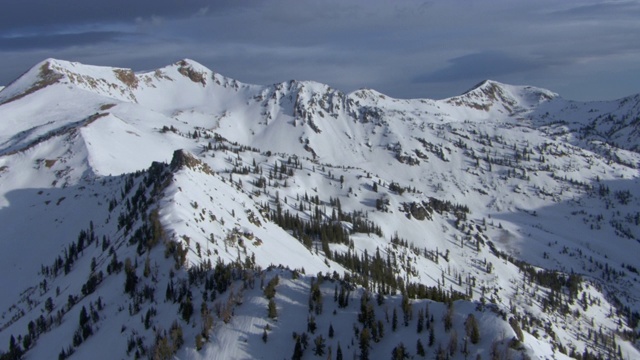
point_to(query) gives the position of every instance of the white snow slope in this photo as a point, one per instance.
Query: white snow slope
(508, 202)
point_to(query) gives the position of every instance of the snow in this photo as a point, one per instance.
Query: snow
(138, 148)
(528, 164)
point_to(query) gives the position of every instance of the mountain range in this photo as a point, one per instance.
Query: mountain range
(178, 213)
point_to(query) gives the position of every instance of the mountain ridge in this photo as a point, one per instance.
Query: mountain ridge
(126, 76)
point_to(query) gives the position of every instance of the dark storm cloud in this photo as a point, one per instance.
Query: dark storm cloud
(404, 48)
(482, 65)
(44, 13)
(600, 9)
(57, 40)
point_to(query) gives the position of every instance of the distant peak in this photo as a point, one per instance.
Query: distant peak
(367, 93)
(489, 92)
(38, 77)
(190, 62)
(484, 84)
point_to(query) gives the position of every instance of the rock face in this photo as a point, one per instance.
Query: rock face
(181, 159)
(417, 210)
(194, 75)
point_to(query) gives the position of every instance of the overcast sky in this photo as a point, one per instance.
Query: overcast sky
(584, 50)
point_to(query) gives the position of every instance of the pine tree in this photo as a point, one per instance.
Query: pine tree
(15, 351)
(453, 343)
(516, 328)
(147, 267)
(399, 352)
(407, 311)
(131, 279)
(48, 305)
(311, 324)
(186, 309)
(365, 338)
(319, 345)
(272, 309)
(84, 318)
(448, 318)
(420, 348)
(297, 350)
(432, 336)
(472, 329)
(394, 320)
(168, 294)
(199, 342)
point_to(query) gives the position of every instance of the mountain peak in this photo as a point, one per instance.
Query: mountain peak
(513, 98)
(38, 77)
(89, 77)
(491, 87)
(186, 62)
(482, 85)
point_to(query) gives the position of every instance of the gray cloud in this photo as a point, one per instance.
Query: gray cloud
(599, 10)
(483, 65)
(401, 48)
(57, 40)
(44, 13)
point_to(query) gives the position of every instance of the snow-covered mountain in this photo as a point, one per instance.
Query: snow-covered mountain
(180, 213)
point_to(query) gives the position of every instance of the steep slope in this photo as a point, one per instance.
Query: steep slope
(463, 201)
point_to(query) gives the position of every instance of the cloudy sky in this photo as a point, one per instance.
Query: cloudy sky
(584, 50)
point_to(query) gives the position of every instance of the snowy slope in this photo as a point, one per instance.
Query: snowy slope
(187, 185)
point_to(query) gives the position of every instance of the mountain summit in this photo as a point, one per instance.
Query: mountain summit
(512, 99)
(178, 213)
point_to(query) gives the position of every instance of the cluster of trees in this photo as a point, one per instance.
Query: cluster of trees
(70, 255)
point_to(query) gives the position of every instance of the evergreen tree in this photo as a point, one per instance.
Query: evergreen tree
(311, 324)
(394, 320)
(453, 343)
(84, 318)
(319, 345)
(297, 350)
(48, 305)
(448, 317)
(131, 279)
(516, 328)
(365, 339)
(186, 309)
(472, 329)
(272, 309)
(168, 294)
(399, 352)
(406, 309)
(15, 351)
(26, 342)
(420, 348)
(432, 336)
